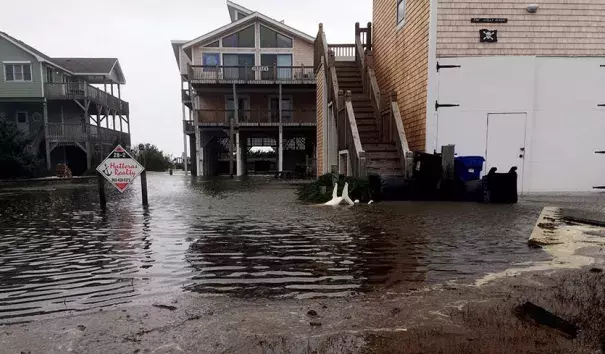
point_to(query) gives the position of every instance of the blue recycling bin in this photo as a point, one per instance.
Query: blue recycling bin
(468, 168)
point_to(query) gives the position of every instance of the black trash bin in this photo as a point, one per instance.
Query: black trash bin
(426, 175)
(500, 187)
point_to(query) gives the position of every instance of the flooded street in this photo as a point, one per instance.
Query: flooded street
(246, 239)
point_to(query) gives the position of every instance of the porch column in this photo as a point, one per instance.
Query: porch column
(45, 113)
(238, 151)
(280, 144)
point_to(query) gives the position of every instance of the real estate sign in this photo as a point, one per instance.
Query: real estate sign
(120, 169)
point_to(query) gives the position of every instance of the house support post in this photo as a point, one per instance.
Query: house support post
(231, 128)
(195, 156)
(193, 143)
(88, 139)
(184, 134)
(113, 112)
(280, 137)
(45, 113)
(238, 152)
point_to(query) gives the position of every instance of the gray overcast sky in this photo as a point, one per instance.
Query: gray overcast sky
(138, 32)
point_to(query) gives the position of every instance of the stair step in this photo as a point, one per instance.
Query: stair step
(356, 77)
(366, 128)
(343, 64)
(386, 172)
(384, 164)
(364, 115)
(382, 155)
(361, 110)
(379, 147)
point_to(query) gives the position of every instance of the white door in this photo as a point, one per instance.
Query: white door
(23, 122)
(506, 143)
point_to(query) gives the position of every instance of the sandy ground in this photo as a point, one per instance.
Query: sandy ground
(192, 324)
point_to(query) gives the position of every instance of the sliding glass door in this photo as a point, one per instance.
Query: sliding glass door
(283, 63)
(238, 66)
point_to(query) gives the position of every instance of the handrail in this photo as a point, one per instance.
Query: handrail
(271, 73)
(394, 132)
(348, 135)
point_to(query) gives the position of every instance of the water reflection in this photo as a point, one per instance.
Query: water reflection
(58, 252)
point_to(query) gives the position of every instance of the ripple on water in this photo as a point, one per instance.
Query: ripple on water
(230, 238)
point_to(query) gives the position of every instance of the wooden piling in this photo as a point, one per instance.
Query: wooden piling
(144, 188)
(101, 184)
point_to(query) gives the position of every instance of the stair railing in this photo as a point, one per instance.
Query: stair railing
(348, 138)
(365, 62)
(388, 117)
(394, 132)
(342, 108)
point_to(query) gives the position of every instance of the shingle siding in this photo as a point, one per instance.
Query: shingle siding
(10, 52)
(559, 28)
(401, 62)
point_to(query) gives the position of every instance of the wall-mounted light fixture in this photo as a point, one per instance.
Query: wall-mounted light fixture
(532, 8)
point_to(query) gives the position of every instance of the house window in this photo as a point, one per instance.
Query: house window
(210, 61)
(271, 39)
(212, 45)
(241, 39)
(400, 12)
(18, 72)
(49, 75)
(283, 63)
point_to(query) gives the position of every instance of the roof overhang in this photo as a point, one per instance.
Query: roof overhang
(235, 8)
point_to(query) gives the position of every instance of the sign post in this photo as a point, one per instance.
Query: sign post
(120, 169)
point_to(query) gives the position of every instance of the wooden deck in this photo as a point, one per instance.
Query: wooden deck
(84, 91)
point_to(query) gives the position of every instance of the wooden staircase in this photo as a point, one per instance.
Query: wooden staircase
(382, 157)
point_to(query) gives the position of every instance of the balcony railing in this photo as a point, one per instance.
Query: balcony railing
(80, 133)
(82, 90)
(252, 74)
(255, 117)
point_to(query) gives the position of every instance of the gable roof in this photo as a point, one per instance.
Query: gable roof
(31, 50)
(255, 16)
(73, 66)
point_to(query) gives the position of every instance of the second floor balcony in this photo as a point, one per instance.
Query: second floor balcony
(81, 133)
(271, 74)
(251, 118)
(84, 91)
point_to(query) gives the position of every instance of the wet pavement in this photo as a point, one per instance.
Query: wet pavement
(245, 240)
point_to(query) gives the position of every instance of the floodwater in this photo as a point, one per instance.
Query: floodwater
(249, 238)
